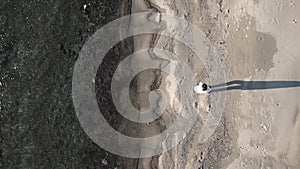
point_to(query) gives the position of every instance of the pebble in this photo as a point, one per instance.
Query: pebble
(227, 24)
(264, 127)
(209, 108)
(196, 104)
(104, 162)
(158, 18)
(294, 21)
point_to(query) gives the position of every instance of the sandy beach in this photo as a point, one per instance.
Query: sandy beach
(257, 41)
(249, 54)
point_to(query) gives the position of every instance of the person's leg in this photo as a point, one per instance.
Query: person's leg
(239, 82)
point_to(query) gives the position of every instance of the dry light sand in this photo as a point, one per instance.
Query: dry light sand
(257, 40)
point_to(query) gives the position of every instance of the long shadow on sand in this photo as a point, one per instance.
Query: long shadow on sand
(254, 85)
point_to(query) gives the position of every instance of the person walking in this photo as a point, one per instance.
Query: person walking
(202, 88)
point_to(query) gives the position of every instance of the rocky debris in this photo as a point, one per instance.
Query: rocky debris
(39, 42)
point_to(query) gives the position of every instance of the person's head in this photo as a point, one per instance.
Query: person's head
(204, 87)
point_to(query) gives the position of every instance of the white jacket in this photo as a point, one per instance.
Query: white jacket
(199, 90)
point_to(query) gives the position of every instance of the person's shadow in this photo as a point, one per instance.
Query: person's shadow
(254, 85)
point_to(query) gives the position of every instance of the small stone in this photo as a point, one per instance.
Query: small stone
(294, 21)
(158, 18)
(227, 24)
(264, 127)
(209, 108)
(196, 104)
(104, 162)
(59, 46)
